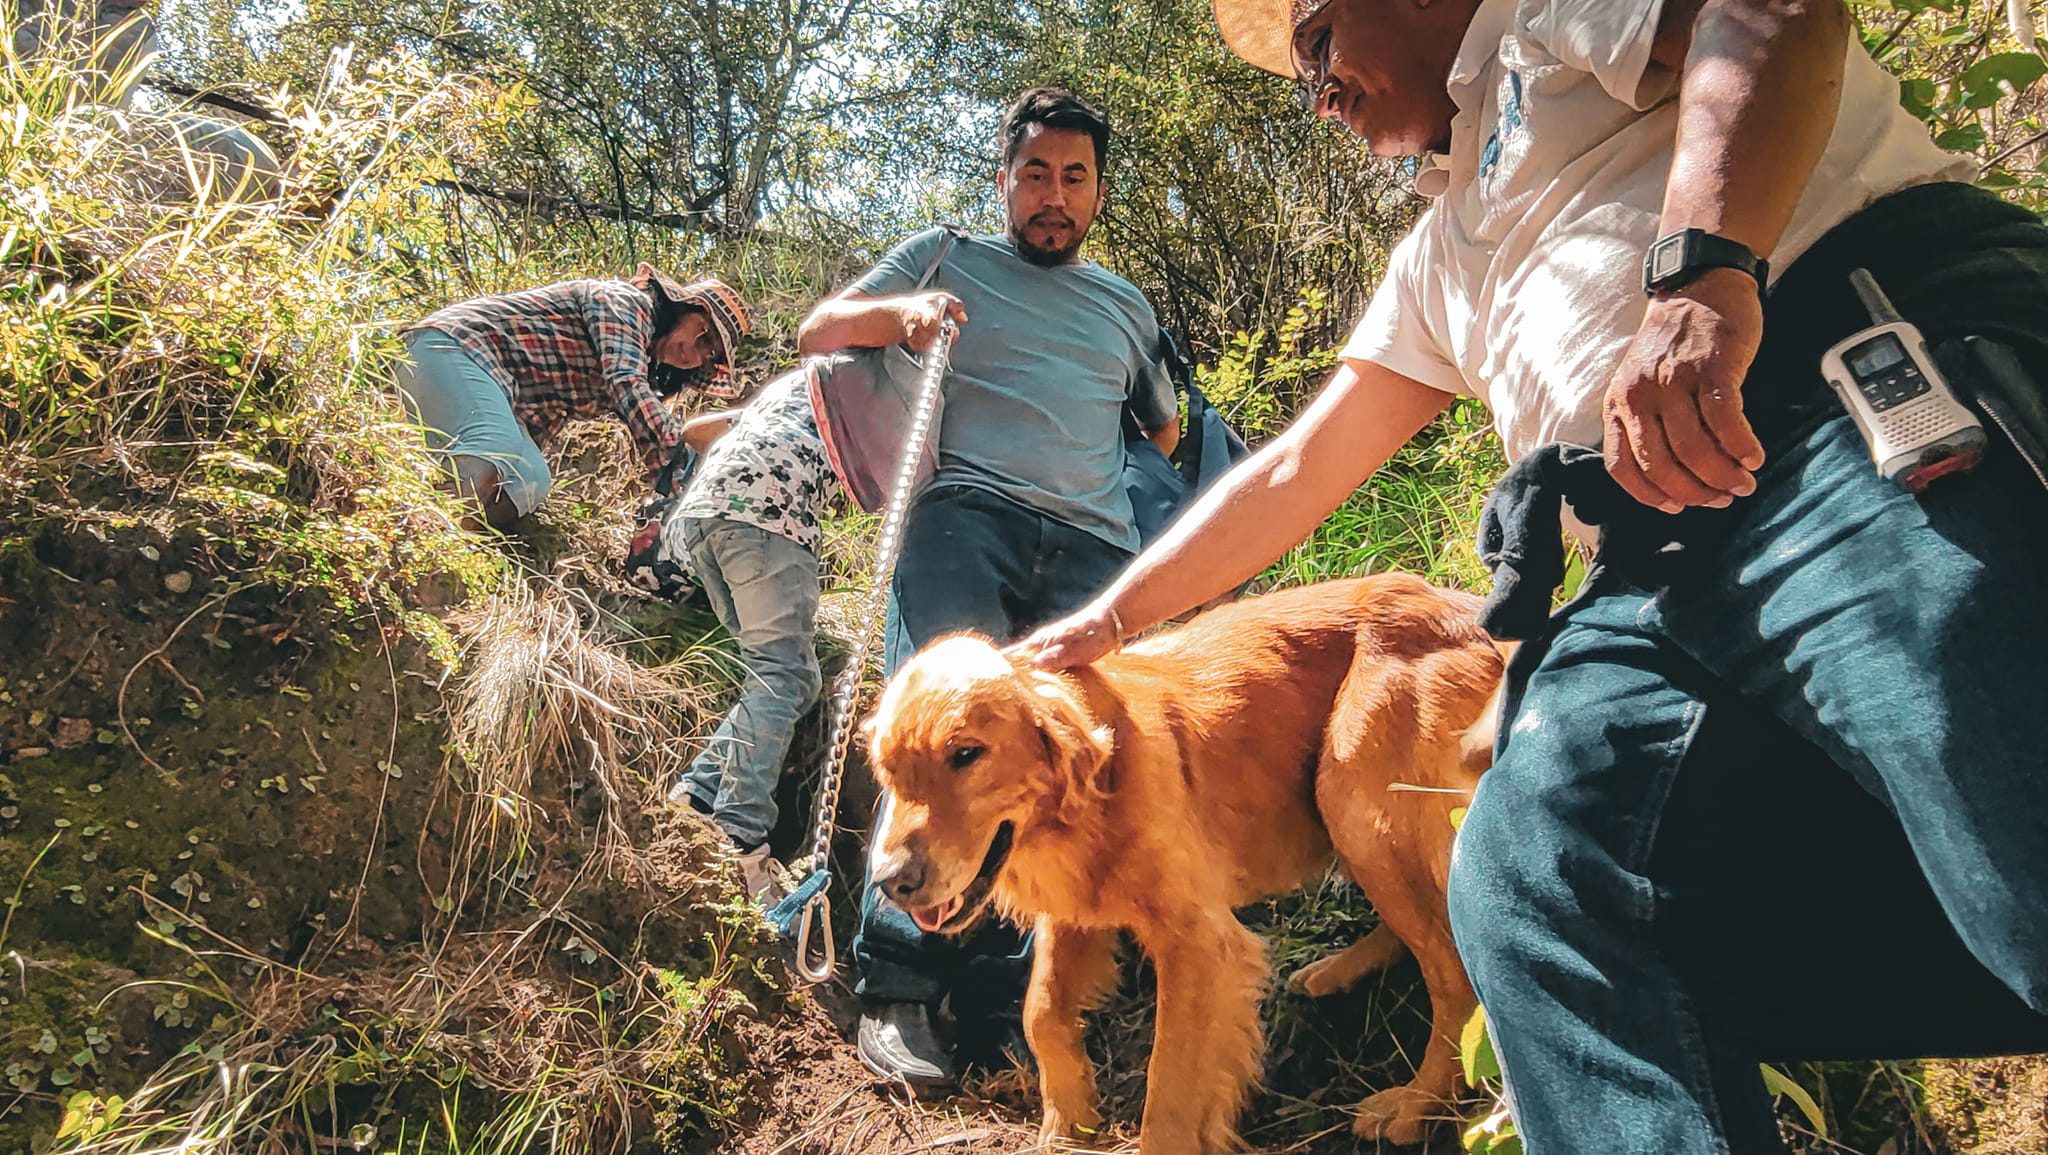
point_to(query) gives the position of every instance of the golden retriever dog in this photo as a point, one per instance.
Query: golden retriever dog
(1206, 767)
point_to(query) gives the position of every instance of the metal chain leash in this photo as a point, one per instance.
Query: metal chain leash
(846, 692)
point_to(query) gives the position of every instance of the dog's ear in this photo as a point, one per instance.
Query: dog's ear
(1078, 753)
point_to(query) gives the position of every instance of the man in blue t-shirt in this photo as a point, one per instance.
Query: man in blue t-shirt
(1027, 517)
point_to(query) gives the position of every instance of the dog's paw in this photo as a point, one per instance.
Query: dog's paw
(1348, 967)
(1325, 976)
(1076, 1125)
(1398, 1115)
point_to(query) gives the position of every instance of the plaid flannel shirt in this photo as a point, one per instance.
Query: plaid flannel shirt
(577, 349)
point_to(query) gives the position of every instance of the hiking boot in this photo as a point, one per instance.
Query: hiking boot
(897, 1042)
(767, 884)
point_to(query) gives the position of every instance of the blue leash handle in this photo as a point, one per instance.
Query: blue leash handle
(806, 912)
(784, 915)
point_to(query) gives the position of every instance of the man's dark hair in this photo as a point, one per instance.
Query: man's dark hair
(1054, 108)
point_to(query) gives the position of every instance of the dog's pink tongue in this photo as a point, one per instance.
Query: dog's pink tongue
(931, 918)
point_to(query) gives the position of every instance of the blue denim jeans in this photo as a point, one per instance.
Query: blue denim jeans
(1711, 800)
(466, 413)
(764, 588)
(972, 560)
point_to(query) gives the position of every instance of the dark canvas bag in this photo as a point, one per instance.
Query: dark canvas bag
(1162, 487)
(863, 400)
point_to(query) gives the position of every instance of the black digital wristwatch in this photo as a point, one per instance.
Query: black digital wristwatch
(1677, 259)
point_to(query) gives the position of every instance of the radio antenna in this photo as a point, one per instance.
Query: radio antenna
(1873, 298)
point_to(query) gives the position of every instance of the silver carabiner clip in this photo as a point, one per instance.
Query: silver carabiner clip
(817, 912)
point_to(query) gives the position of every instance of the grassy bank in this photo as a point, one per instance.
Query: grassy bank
(325, 822)
(327, 826)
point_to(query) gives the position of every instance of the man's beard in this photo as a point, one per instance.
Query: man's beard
(1038, 254)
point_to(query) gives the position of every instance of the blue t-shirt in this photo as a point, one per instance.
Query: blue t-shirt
(1040, 375)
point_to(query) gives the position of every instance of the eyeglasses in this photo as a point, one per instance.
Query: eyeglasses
(1311, 51)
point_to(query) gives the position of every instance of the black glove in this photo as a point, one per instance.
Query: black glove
(654, 558)
(674, 477)
(1521, 535)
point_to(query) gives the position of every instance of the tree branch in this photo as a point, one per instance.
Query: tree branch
(255, 112)
(552, 203)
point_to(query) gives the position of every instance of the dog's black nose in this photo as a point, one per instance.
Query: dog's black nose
(901, 879)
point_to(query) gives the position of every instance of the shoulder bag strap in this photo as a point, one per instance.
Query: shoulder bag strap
(1168, 353)
(952, 233)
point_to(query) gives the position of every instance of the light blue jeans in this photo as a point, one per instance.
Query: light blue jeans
(764, 588)
(467, 413)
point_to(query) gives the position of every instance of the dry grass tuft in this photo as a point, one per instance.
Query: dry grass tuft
(544, 706)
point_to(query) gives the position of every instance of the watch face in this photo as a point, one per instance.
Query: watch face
(1667, 258)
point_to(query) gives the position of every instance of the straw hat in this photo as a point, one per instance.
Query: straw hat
(719, 301)
(1262, 31)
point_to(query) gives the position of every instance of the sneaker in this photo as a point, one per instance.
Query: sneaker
(897, 1042)
(680, 792)
(767, 882)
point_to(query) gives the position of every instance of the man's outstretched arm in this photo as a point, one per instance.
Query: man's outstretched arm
(1256, 512)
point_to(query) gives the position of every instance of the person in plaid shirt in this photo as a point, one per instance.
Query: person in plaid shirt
(493, 380)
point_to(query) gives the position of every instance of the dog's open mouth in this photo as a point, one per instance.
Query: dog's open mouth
(957, 912)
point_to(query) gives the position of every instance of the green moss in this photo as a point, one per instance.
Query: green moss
(200, 790)
(168, 778)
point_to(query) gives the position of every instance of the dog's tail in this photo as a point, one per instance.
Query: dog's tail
(1475, 746)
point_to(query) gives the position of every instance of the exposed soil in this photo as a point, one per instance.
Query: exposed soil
(182, 767)
(1324, 1056)
(1989, 1106)
(234, 822)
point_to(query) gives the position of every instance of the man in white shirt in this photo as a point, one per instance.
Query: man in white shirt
(1835, 664)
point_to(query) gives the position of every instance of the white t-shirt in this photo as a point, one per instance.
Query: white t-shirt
(1521, 284)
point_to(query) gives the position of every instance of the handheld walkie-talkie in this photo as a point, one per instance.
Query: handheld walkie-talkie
(1916, 428)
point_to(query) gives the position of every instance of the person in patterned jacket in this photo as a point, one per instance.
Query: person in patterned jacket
(493, 380)
(749, 524)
